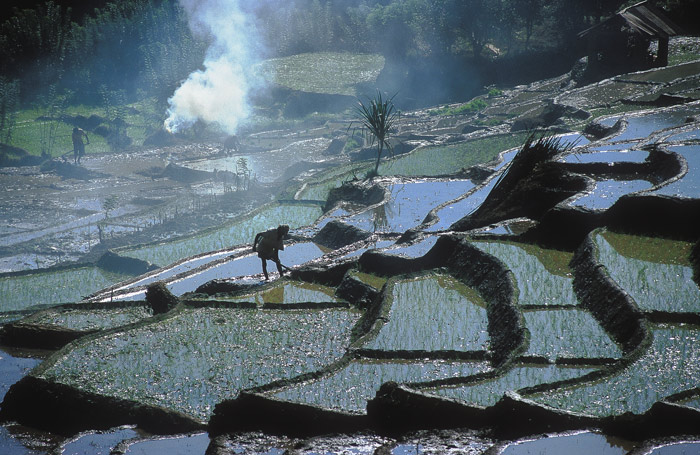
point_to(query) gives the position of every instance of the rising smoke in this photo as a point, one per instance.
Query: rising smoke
(218, 92)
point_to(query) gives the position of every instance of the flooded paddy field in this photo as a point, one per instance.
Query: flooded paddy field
(418, 339)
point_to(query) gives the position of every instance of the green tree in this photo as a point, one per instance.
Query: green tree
(378, 117)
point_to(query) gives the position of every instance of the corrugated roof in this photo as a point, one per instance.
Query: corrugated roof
(644, 18)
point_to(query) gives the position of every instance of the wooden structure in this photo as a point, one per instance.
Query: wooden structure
(622, 41)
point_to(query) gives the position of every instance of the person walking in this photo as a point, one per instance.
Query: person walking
(78, 145)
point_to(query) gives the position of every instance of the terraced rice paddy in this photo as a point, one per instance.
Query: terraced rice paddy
(689, 184)
(194, 359)
(318, 72)
(240, 232)
(542, 275)
(642, 126)
(288, 292)
(655, 272)
(670, 365)
(446, 159)
(453, 212)
(53, 287)
(488, 392)
(415, 250)
(350, 388)
(295, 254)
(408, 205)
(583, 443)
(607, 192)
(608, 156)
(433, 313)
(85, 318)
(567, 334)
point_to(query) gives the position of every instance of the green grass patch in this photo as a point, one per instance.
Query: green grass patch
(472, 107)
(650, 249)
(324, 72)
(377, 282)
(30, 128)
(450, 158)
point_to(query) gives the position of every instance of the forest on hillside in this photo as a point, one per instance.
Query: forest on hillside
(131, 49)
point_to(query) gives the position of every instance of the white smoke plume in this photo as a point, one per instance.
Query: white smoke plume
(218, 92)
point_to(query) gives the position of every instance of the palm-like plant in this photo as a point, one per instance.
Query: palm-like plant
(378, 117)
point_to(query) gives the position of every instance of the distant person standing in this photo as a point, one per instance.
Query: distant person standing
(78, 145)
(268, 244)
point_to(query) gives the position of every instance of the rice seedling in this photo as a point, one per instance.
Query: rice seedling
(92, 318)
(196, 358)
(239, 232)
(52, 287)
(658, 276)
(543, 275)
(433, 312)
(569, 333)
(349, 389)
(487, 393)
(671, 365)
